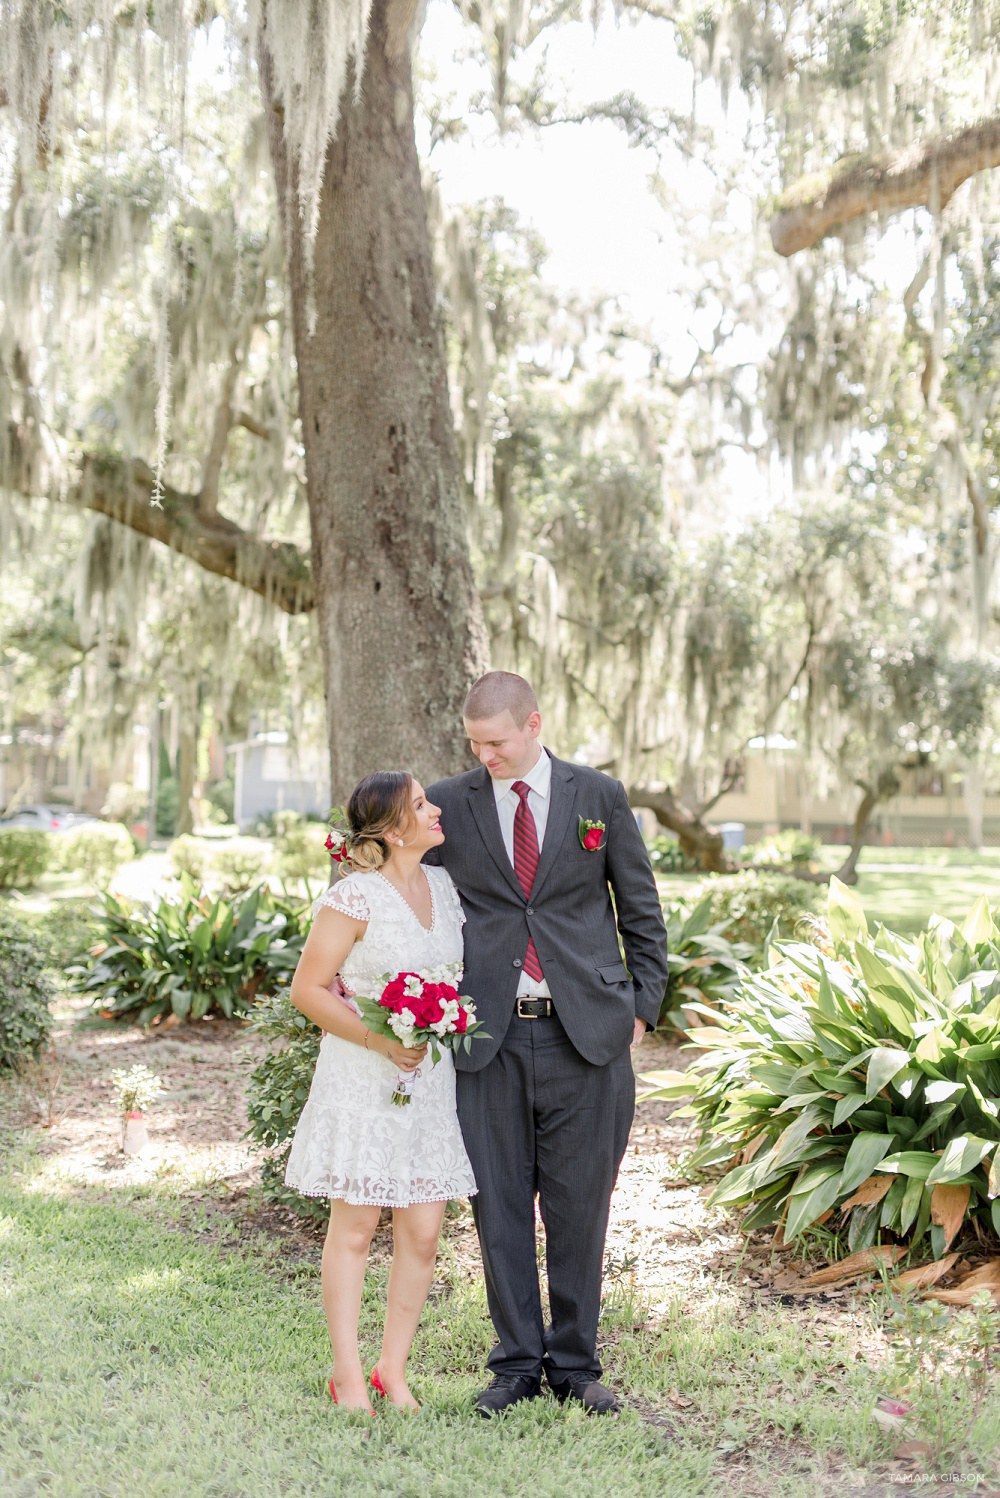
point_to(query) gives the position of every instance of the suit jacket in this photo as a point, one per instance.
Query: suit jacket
(569, 911)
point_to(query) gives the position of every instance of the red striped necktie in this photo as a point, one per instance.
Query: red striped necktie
(525, 864)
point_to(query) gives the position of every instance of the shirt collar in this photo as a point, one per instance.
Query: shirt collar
(538, 778)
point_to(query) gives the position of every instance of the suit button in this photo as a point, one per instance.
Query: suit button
(517, 962)
(529, 911)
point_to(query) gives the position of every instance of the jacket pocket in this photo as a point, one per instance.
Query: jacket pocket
(615, 972)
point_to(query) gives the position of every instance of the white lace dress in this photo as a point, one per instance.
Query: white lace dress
(351, 1142)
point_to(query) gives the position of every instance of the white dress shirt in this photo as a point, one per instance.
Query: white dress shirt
(539, 783)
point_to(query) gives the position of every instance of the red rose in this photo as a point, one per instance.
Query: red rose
(393, 995)
(461, 1020)
(592, 838)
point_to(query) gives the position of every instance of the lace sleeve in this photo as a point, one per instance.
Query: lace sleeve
(347, 897)
(448, 892)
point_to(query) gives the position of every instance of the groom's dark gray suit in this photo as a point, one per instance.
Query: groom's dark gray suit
(546, 1104)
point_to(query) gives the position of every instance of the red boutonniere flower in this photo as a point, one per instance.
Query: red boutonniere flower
(590, 834)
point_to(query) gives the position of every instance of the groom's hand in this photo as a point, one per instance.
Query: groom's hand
(638, 1031)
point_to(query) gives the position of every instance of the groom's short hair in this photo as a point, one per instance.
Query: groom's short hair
(496, 692)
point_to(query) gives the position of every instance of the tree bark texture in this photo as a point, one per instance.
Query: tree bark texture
(698, 840)
(926, 175)
(399, 619)
(122, 488)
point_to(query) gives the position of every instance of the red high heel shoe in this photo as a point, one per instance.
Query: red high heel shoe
(333, 1396)
(376, 1385)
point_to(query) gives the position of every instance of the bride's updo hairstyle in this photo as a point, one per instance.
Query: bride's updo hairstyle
(379, 804)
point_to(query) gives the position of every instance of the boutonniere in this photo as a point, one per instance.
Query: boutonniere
(590, 834)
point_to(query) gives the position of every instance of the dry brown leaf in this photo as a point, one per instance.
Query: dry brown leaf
(962, 1296)
(987, 1274)
(853, 1267)
(750, 1149)
(948, 1204)
(870, 1191)
(924, 1275)
(909, 1451)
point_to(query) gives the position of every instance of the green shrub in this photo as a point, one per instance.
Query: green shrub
(167, 805)
(666, 857)
(95, 850)
(745, 906)
(220, 796)
(237, 865)
(791, 847)
(277, 1088)
(191, 956)
(863, 1083)
(703, 966)
(299, 854)
(68, 929)
(25, 855)
(26, 986)
(189, 855)
(230, 864)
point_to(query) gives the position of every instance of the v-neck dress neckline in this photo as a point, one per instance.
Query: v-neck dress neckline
(427, 930)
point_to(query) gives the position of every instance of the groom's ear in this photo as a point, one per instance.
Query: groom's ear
(533, 724)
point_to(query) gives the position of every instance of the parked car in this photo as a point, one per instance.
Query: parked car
(46, 818)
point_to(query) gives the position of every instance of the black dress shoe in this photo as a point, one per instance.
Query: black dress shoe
(583, 1388)
(507, 1389)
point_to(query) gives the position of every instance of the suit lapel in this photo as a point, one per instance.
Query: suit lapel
(484, 809)
(562, 796)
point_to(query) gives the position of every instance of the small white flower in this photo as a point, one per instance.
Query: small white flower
(402, 1025)
(413, 987)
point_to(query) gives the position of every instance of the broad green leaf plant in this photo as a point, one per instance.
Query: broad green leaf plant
(191, 955)
(858, 1086)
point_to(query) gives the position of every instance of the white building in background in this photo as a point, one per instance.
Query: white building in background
(270, 774)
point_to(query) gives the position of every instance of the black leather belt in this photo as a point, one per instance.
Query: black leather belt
(534, 1008)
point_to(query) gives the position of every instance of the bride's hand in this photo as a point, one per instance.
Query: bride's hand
(402, 1057)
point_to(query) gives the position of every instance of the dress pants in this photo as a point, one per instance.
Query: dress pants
(539, 1119)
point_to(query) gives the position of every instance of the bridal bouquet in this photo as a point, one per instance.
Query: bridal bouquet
(417, 1008)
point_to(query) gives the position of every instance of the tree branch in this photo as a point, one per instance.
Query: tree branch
(925, 175)
(122, 488)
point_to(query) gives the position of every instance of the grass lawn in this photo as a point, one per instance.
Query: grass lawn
(902, 887)
(141, 1358)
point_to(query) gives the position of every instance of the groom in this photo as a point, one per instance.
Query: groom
(537, 848)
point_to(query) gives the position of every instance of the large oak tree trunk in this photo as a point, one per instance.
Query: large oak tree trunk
(399, 619)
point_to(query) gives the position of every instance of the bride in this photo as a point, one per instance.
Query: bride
(390, 914)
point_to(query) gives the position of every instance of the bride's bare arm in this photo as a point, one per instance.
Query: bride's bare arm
(332, 936)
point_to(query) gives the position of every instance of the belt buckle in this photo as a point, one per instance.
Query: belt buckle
(524, 1000)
